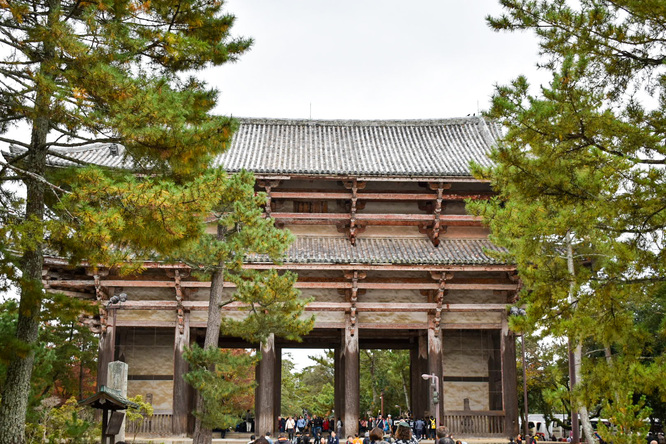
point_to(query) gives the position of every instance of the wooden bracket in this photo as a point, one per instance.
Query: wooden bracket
(438, 295)
(353, 228)
(101, 296)
(354, 292)
(436, 228)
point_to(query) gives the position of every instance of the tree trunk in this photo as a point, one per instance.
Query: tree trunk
(405, 391)
(582, 410)
(578, 351)
(19, 372)
(203, 435)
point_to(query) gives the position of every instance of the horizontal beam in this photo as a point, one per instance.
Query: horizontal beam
(323, 325)
(368, 307)
(314, 195)
(131, 283)
(376, 219)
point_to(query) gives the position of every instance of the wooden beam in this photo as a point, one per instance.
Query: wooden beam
(368, 307)
(324, 195)
(408, 285)
(376, 219)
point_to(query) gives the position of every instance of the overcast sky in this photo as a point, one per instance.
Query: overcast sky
(369, 59)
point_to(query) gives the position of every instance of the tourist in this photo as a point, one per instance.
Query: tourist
(268, 437)
(403, 434)
(333, 439)
(376, 435)
(282, 439)
(252, 439)
(300, 424)
(289, 427)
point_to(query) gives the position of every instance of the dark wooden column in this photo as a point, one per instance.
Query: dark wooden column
(418, 356)
(351, 379)
(509, 381)
(435, 366)
(265, 392)
(339, 382)
(106, 347)
(181, 389)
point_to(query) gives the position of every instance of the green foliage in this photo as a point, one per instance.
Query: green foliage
(387, 372)
(135, 416)
(67, 423)
(580, 176)
(222, 378)
(66, 351)
(112, 71)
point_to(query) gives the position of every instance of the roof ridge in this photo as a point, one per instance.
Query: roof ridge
(361, 122)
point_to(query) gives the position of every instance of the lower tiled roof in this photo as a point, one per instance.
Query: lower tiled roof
(395, 251)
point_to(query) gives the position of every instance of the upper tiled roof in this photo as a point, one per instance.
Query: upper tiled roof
(386, 148)
(422, 148)
(412, 251)
(106, 154)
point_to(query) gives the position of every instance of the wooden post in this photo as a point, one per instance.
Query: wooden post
(509, 381)
(435, 366)
(265, 393)
(181, 391)
(339, 382)
(105, 352)
(352, 379)
(418, 366)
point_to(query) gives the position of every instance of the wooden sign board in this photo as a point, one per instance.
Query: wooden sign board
(115, 422)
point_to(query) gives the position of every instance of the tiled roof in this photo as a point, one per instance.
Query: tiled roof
(423, 148)
(387, 148)
(412, 251)
(106, 154)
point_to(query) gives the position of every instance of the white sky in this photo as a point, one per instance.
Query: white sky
(369, 59)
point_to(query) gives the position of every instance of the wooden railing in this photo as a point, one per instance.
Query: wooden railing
(157, 425)
(475, 423)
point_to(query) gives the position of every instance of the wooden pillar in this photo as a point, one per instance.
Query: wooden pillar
(181, 389)
(351, 379)
(509, 380)
(106, 350)
(265, 392)
(435, 366)
(419, 365)
(339, 382)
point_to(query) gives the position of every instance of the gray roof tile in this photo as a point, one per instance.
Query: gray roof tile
(425, 148)
(385, 148)
(412, 251)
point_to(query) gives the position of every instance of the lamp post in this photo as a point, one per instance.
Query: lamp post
(435, 394)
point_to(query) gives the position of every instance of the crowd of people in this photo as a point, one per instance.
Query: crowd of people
(324, 430)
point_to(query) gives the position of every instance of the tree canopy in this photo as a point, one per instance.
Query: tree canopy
(580, 178)
(117, 72)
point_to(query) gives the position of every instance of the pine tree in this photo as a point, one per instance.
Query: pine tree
(113, 71)
(580, 176)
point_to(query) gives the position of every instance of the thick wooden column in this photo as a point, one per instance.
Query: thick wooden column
(419, 365)
(106, 350)
(509, 380)
(181, 389)
(265, 392)
(352, 379)
(435, 366)
(339, 382)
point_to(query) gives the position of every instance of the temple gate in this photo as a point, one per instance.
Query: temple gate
(383, 245)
